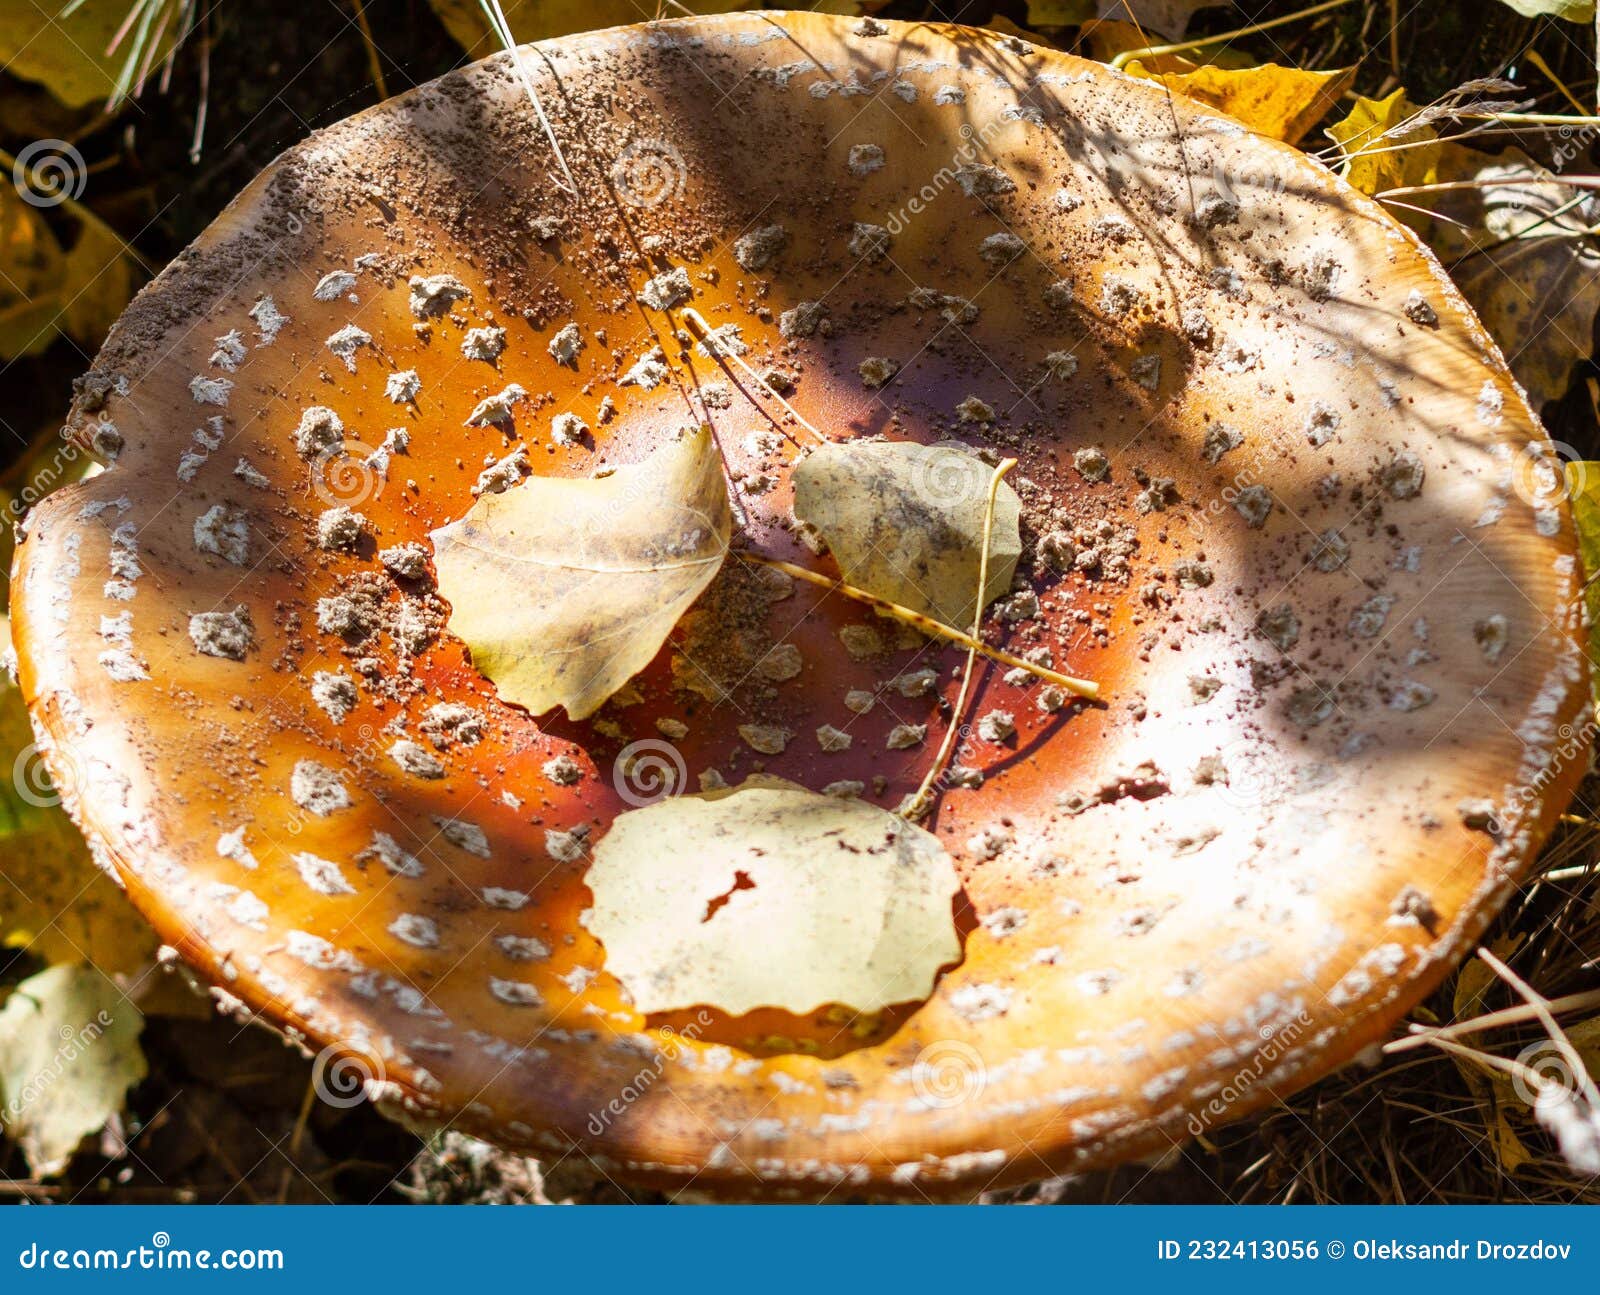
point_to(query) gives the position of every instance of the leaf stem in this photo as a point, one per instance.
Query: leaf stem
(917, 806)
(1085, 688)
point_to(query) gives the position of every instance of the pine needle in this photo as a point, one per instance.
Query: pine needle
(502, 29)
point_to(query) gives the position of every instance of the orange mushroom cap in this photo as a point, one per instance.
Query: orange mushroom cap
(1273, 500)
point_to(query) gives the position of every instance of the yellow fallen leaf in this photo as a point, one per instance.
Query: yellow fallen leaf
(31, 271)
(97, 282)
(1489, 1088)
(1279, 102)
(1583, 487)
(769, 895)
(533, 20)
(1381, 151)
(45, 292)
(69, 1052)
(66, 47)
(1517, 243)
(565, 588)
(905, 522)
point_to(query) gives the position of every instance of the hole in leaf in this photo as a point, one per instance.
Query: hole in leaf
(741, 881)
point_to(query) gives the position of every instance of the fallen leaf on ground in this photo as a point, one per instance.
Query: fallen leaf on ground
(905, 522)
(769, 895)
(1381, 152)
(69, 1052)
(64, 47)
(565, 588)
(45, 291)
(54, 901)
(1474, 979)
(1279, 102)
(1521, 253)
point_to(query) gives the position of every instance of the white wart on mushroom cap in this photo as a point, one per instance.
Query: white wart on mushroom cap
(1277, 510)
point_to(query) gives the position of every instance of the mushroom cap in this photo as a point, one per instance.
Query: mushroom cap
(1329, 596)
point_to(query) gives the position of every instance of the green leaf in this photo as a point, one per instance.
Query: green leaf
(565, 588)
(69, 1052)
(769, 895)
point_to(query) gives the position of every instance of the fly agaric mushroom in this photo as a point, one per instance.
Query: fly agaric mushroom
(1266, 499)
